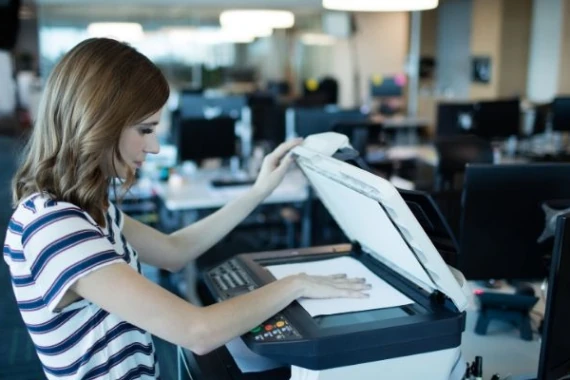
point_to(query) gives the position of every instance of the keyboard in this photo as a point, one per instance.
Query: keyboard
(227, 182)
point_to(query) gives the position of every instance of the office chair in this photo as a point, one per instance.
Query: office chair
(456, 152)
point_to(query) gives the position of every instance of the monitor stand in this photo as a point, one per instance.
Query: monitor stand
(512, 308)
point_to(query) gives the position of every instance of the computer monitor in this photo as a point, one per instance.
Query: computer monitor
(497, 119)
(454, 119)
(502, 218)
(196, 106)
(542, 113)
(561, 114)
(267, 118)
(384, 87)
(309, 121)
(200, 139)
(554, 360)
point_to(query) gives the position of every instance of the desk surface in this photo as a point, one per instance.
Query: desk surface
(197, 192)
(427, 154)
(405, 122)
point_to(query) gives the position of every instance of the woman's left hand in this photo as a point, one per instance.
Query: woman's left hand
(274, 167)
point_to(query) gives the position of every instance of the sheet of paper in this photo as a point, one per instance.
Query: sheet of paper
(247, 360)
(382, 295)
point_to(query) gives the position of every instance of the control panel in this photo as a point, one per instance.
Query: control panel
(277, 328)
(230, 279)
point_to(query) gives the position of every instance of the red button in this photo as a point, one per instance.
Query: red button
(268, 327)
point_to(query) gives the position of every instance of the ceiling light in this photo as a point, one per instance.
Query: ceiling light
(123, 31)
(207, 36)
(252, 30)
(319, 39)
(379, 5)
(261, 17)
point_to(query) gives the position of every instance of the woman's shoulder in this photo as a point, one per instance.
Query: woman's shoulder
(37, 205)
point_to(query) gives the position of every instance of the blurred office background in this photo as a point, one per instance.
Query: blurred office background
(421, 95)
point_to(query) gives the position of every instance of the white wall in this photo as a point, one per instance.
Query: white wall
(381, 43)
(544, 57)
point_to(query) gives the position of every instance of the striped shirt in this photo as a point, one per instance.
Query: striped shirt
(49, 246)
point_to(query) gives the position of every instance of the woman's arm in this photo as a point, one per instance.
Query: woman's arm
(174, 251)
(120, 290)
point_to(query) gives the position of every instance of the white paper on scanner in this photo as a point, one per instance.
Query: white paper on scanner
(382, 295)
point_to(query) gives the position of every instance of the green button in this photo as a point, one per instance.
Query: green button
(255, 330)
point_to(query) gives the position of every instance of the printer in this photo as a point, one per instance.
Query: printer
(418, 339)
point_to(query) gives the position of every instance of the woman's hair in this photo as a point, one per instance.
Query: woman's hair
(98, 89)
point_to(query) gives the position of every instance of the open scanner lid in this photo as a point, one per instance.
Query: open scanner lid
(370, 211)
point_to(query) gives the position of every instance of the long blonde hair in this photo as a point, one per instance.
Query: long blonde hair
(98, 88)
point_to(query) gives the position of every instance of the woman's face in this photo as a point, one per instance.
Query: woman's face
(135, 142)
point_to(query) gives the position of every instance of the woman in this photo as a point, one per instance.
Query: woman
(74, 257)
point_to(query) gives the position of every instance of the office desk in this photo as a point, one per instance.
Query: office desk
(197, 193)
(181, 204)
(405, 128)
(427, 154)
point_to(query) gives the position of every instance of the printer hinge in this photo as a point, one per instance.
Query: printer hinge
(357, 248)
(437, 297)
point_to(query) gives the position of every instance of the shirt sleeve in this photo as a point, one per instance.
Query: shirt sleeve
(61, 245)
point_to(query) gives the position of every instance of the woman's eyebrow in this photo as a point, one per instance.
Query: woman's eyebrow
(148, 124)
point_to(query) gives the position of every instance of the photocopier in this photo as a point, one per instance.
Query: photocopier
(417, 340)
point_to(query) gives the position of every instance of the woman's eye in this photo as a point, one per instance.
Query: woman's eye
(146, 131)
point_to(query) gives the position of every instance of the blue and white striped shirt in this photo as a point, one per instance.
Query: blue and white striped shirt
(49, 246)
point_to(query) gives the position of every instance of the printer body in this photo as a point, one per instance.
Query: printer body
(419, 339)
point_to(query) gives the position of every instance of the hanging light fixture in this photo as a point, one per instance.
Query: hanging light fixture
(379, 5)
(206, 36)
(267, 18)
(253, 30)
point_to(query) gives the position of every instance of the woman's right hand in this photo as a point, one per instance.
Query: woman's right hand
(334, 286)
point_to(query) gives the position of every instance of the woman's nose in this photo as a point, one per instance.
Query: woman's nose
(152, 144)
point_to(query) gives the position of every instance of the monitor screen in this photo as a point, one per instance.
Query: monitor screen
(542, 113)
(349, 319)
(386, 86)
(555, 349)
(561, 114)
(199, 106)
(502, 218)
(454, 119)
(497, 119)
(268, 124)
(200, 139)
(309, 121)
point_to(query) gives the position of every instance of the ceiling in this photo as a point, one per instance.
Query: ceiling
(266, 4)
(175, 11)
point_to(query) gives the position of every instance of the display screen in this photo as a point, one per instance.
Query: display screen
(336, 320)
